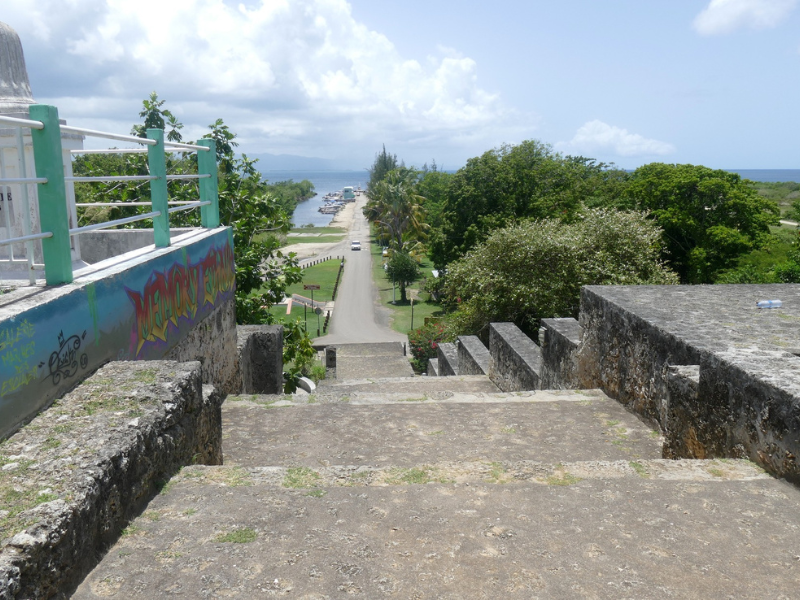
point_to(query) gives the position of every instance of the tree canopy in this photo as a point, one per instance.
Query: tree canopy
(396, 209)
(528, 180)
(710, 217)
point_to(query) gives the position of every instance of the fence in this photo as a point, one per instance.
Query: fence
(54, 209)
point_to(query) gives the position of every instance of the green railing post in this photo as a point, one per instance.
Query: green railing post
(158, 187)
(53, 214)
(207, 165)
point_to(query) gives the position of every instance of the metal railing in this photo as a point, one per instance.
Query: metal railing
(52, 188)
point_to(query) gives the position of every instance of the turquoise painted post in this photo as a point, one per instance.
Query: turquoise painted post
(207, 165)
(53, 215)
(158, 187)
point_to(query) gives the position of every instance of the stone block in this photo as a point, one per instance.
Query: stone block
(473, 356)
(447, 356)
(260, 352)
(516, 361)
(101, 452)
(559, 339)
(433, 367)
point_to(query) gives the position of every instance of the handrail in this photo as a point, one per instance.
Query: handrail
(25, 238)
(23, 180)
(109, 136)
(123, 150)
(114, 223)
(188, 206)
(187, 176)
(111, 178)
(22, 122)
(90, 204)
(56, 212)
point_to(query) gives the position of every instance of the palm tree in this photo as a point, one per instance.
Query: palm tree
(396, 208)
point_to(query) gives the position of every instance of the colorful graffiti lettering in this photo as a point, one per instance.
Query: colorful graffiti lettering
(180, 292)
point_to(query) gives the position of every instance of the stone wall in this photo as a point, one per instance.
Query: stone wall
(82, 469)
(447, 356)
(516, 360)
(559, 339)
(473, 356)
(260, 353)
(627, 356)
(718, 375)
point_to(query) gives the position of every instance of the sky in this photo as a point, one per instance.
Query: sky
(625, 81)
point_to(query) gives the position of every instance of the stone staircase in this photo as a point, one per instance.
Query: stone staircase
(412, 487)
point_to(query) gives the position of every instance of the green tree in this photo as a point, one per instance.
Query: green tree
(384, 162)
(403, 270)
(528, 180)
(710, 217)
(533, 270)
(396, 209)
(156, 117)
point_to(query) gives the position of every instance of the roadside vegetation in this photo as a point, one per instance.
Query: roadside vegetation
(516, 232)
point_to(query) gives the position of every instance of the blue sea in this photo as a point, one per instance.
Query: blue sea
(324, 182)
(769, 175)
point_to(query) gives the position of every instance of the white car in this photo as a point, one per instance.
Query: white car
(355, 245)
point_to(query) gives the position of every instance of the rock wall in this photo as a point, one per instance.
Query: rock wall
(213, 343)
(473, 356)
(559, 339)
(626, 356)
(80, 470)
(447, 356)
(516, 360)
(260, 353)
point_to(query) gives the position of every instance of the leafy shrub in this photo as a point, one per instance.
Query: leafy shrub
(535, 270)
(424, 342)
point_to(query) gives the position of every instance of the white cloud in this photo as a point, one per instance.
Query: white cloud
(296, 76)
(596, 137)
(726, 16)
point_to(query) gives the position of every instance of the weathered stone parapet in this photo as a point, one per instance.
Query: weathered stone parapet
(559, 339)
(447, 355)
(682, 423)
(213, 343)
(80, 470)
(260, 352)
(473, 356)
(516, 361)
(627, 356)
(433, 367)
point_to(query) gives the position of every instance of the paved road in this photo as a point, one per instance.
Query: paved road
(355, 319)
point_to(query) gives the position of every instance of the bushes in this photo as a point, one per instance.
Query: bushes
(424, 342)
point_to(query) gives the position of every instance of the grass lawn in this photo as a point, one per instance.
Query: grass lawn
(401, 313)
(318, 230)
(323, 239)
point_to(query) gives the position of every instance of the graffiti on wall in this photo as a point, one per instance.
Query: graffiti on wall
(178, 293)
(64, 362)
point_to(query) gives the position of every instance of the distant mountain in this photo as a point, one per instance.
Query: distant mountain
(290, 162)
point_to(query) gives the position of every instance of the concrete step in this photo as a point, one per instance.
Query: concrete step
(653, 529)
(413, 386)
(354, 361)
(548, 427)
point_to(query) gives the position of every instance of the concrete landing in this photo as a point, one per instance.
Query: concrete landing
(567, 426)
(220, 533)
(356, 361)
